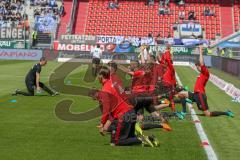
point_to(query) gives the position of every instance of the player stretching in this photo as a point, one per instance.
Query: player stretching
(114, 108)
(32, 81)
(199, 95)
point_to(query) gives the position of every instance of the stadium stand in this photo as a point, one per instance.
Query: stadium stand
(134, 18)
(81, 17)
(12, 14)
(62, 28)
(237, 15)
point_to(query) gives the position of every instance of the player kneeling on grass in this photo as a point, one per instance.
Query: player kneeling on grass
(114, 108)
(199, 95)
(32, 81)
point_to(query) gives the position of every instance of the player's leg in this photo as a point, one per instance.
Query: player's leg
(45, 88)
(185, 96)
(30, 87)
(203, 105)
(94, 67)
(124, 134)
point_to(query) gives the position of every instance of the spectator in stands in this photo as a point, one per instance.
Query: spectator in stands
(167, 11)
(208, 12)
(150, 2)
(167, 3)
(159, 40)
(191, 15)
(34, 37)
(161, 3)
(36, 12)
(169, 35)
(32, 2)
(181, 3)
(52, 3)
(181, 15)
(62, 10)
(11, 13)
(161, 10)
(113, 5)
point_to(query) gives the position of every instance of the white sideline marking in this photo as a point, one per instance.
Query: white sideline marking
(211, 155)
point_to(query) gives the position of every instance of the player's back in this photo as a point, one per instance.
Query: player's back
(32, 72)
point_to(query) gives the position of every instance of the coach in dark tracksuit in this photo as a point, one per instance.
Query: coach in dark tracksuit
(32, 80)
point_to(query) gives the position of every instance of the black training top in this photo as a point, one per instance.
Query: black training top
(32, 73)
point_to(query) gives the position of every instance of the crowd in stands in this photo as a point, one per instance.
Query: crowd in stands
(12, 13)
(47, 7)
(164, 8)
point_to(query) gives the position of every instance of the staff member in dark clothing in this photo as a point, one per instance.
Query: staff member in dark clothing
(32, 81)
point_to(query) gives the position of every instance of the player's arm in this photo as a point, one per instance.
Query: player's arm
(126, 70)
(204, 69)
(142, 57)
(38, 80)
(100, 53)
(106, 111)
(201, 61)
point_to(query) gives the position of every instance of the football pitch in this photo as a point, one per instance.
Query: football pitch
(30, 129)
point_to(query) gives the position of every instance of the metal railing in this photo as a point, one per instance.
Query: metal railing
(72, 17)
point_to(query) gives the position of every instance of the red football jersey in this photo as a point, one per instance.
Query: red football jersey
(113, 104)
(202, 80)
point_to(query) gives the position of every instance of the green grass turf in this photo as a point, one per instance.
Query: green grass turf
(226, 76)
(30, 130)
(223, 132)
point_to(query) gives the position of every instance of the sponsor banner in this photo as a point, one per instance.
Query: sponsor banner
(185, 58)
(45, 23)
(124, 47)
(14, 44)
(194, 42)
(77, 39)
(75, 47)
(175, 49)
(13, 33)
(110, 39)
(105, 55)
(121, 39)
(20, 54)
(189, 29)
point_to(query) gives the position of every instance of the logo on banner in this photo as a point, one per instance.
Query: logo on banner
(12, 33)
(78, 39)
(45, 23)
(126, 46)
(23, 54)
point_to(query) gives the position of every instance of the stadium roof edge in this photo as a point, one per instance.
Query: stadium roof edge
(226, 39)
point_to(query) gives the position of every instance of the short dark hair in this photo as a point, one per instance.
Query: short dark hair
(113, 65)
(43, 59)
(197, 63)
(98, 45)
(104, 72)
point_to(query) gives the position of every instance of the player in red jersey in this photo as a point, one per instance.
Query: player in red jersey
(169, 79)
(115, 108)
(143, 91)
(199, 94)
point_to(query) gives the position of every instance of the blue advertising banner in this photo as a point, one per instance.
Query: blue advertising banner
(20, 54)
(45, 23)
(124, 47)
